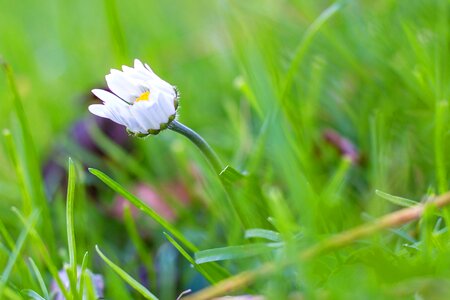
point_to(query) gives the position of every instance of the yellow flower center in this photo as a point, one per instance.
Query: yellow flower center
(143, 97)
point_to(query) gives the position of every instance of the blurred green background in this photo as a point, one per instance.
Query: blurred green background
(265, 82)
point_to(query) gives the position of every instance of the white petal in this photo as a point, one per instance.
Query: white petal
(166, 104)
(119, 114)
(150, 75)
(124, 83)
(142, 111)
(99, 110)
(125, 117)
(108, 97)
(127, 69)
(136, 124)
(152, 81)
(161, 116)
(161, 85)
(138, 64)
(105, 111)
(138, 75)
(122, 86)
(153, 115)
(168, 89)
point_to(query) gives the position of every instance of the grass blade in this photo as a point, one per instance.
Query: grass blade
(230, 175)
(39, 278)
(233, 252)
(125, 276)
(305, 42)
(33, 295)
(11, 149)
(263, 234)
(440, 152)
(212, 273)
(395, 199)
(11, 294)
(17, 250)
(72, 271)
(6, 236)
(30, 162)
(83, 270)
(39, 244)
(143, 207)
(115, 30)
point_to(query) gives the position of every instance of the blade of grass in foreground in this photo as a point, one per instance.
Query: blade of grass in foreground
(6, 236)
(17, 250)
(11, 149)
(144, 207)
(125, 276)
(395, 199)
(212, 272)
(29, 160)
(72, 271)
(39, 278)
(38, 243)
(440, 149)
(83, 270)
(11, 294)
(310, 33)
(440, 133)
(33, 295)
(263, 234)
(90, 290)
(9, 246)
(234, 252)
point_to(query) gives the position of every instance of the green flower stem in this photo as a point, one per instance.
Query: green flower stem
(212, 158)
(206, 149)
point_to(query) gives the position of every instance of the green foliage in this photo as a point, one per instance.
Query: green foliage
(326, 114)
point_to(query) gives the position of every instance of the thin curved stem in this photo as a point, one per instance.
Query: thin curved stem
(206, 149)
(213, 159)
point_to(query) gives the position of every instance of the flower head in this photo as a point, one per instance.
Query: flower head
(140, 100)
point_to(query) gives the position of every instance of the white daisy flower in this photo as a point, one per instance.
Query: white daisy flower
(140, 100)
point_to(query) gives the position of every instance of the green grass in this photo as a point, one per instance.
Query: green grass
(263, 82)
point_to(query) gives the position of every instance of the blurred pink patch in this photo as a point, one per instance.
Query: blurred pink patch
(342, 144)
(151, 197)
(178, 191)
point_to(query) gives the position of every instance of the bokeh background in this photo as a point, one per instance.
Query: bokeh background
(321, 102)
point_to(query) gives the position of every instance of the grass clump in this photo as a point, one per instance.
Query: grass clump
(330, 118)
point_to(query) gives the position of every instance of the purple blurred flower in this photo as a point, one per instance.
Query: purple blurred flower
(97, 282)
(54, 171)
(55, 175)
(80, 133)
